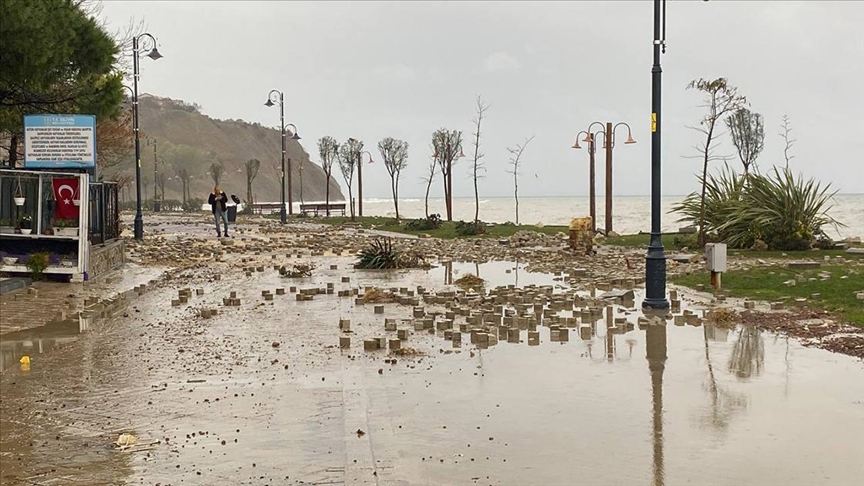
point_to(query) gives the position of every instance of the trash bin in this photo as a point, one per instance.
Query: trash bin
(232, 214)
(157, 206)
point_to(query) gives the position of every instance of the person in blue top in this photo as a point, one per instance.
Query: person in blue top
(217, 201)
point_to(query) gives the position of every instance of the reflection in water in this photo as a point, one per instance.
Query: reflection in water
(448, 272)
(723, 402)
(30, 342)
(655, 350)
(748, 354)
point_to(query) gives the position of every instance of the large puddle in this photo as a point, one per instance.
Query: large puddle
(617, 402)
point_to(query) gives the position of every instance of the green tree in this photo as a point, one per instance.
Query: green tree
(349, 156)
(328, 150)
(448, 147)
(55, 58)
(395, 155)
(721, 99)
(748, 136)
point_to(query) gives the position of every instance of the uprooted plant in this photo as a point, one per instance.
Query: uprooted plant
(381, 254)
(297, 270)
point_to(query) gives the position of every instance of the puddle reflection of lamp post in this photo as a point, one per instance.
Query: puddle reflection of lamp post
(294, 136)
(655, 353)
(155, 55)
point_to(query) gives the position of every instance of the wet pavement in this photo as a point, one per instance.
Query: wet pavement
(262, 394)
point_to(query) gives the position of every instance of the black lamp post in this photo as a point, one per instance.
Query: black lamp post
(295, 136)
(655, 259)
(153, 54)
(360, 179)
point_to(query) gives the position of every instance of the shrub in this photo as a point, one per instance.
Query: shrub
(431, 222)
(785, 212)
(380, 255)
(470, 228)
(37, 263)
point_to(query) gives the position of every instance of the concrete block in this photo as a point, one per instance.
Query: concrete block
(175, 302)
(344, 342)
(802, 265)
(268, 296)
(280, 291)
(678, 320)
(370, 344)
(334, 267)
(418, 325)
(345, 325)
(359, 301)
(777, 306)
(346, 279)
(563, 335)
(419, 312)
(513, 335)
(750, 305)
(379, 309)
(389, 324)
(456, 336)
(585, 332)
(533, 338)
(382, 342)
(199, 291)
(402, 334)
(292, 289)
(395, 344)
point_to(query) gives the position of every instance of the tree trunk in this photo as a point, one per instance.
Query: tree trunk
(327, 193)
(516, 194)
(13, 151)
(393, 187)
(428, 186)
(351, 201)
(476, 198)
(701, 238)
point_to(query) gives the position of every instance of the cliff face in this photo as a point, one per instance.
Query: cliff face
(205, 140)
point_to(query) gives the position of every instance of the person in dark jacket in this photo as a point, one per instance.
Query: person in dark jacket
(217, 202)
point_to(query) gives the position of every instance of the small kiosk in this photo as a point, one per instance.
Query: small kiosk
(47, 209)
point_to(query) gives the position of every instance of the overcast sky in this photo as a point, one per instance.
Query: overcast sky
(378, 69)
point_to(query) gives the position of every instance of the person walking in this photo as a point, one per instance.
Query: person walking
(217, 201)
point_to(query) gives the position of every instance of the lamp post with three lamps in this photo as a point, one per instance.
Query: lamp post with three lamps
(153, 54)
(608, 145)
(294, 136)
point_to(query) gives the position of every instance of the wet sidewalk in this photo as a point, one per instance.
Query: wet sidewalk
(262, 394)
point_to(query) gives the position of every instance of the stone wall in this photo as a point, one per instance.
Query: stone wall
(106, 257)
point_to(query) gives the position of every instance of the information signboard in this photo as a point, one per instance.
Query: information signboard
(59, 141)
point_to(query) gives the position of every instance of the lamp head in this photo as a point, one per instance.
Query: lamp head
(461, 153)
(295, 136)
(576, 145)
(154, 54)
(588, 138)
(630, 139)
(269, 103)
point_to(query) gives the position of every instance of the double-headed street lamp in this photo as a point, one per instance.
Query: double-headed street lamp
(608, 145)
(153, 54)
(294, 136)
(360, 179)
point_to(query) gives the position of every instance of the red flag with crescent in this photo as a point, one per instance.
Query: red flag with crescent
(65, 192)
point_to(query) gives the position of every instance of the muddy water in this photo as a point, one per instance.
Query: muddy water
(664, 405)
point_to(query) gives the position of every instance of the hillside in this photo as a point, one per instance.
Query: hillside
(179, 128)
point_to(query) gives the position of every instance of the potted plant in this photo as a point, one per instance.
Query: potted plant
(66, 227)
(69, 260)
(37, 263)
(6, 226)
(19, 194)
(26, 224)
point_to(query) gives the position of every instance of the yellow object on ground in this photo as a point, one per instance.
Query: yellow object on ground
(25, 360)
(580, 234)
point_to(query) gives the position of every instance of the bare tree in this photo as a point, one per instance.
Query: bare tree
(185, 177)
(721, 98)
(448, 148)
(328, 150)
(478, 166)
(748, 136)
(516, 159)
(395, 155)
(349, 155)
(160, 183)
(428, 180)
(252, 168)
(786, 132)
(216, 171)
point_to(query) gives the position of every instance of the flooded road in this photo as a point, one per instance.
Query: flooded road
(262, 394)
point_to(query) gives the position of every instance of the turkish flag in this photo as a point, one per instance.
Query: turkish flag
(65, 191)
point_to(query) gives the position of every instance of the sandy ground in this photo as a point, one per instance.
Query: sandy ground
(262, 393)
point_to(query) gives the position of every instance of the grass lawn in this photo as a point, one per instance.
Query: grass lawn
(836, 294)
(447, 230)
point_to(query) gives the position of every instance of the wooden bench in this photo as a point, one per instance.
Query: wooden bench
(266, 208)
(322, 208)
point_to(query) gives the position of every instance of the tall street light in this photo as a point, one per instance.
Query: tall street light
(360, 179)
(295, 136)
(592, 176)
(153, 54)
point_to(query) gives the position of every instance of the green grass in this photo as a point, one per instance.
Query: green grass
(836, 295)
(446, 231)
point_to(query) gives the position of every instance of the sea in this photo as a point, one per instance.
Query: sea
(630, 214)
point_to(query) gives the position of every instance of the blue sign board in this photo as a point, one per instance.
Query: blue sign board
(59, 141)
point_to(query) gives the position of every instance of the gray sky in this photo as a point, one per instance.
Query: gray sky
(378, 69)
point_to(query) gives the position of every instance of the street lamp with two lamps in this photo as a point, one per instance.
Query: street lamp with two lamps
(155, 55)
(294, 136)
